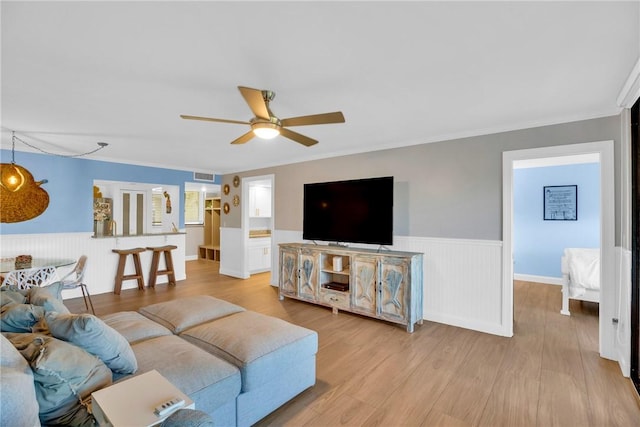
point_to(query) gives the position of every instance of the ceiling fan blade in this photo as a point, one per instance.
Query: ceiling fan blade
(315, 119)
(244, 138)
(211, 119)
(256, 101)
(304, 140)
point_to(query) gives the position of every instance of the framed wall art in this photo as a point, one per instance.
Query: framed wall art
(561, 203)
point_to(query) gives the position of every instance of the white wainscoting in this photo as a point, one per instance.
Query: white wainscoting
(462, 279)
(232, 253)
(102, 264)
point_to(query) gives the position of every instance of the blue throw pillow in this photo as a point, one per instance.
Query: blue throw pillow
(12, 296)
(20, 317)
(45, 298)
(96, 337)
(63, 375)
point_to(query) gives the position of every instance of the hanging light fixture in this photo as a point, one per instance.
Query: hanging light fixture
(12, 178)
(265, 130)
(21, 197)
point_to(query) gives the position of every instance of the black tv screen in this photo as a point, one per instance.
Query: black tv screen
(354, 211)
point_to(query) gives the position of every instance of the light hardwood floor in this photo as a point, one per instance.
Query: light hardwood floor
(372, 373)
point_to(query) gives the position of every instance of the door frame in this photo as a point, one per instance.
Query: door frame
(605, 150)
(245, 221)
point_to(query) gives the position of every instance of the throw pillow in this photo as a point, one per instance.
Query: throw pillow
(64, 375)
(96, 337)
(55, 289)
(11, 296)
(44, 298)
(20, 317)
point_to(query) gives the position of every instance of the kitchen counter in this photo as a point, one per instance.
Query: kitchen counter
(117, 236)
(253, 234)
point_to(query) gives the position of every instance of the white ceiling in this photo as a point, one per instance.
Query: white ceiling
(402, 73)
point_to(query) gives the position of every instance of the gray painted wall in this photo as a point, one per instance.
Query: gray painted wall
(450, 189)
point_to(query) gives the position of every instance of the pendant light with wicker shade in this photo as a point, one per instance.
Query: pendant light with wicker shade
(21, 197)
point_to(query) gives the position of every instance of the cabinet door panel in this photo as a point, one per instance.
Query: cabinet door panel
(364, 277)
(288, 272)
(393, 290)
(308, 286)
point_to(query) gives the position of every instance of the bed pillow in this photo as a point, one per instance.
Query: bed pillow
(63, 374)
(96, 337)
(20, 317)
(46, 297)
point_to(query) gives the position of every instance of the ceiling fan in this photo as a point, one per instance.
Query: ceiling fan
(266, 125)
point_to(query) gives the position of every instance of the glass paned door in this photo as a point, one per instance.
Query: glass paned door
(133, 212)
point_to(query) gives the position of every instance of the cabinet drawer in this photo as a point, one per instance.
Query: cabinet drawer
(335, 299)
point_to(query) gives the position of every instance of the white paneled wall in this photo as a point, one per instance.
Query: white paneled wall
(462, 279)
(233, 253)
(101, 263)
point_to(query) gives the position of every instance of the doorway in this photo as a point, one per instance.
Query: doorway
(604, 150)
(635, 245)
(258, 221)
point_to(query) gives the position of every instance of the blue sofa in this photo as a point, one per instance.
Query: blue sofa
(236, 365)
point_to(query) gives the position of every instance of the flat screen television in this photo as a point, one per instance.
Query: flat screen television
(354, 211)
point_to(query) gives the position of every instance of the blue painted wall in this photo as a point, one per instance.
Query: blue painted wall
(539, 244)
(70, 189)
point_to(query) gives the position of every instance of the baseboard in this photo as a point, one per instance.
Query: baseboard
(538, 279)
(233, 273)
(473, 324)
(191, 257)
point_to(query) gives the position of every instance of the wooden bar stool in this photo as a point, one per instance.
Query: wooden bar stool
(120, 276)
(168, 261)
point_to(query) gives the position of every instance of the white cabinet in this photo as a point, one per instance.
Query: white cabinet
(386, 285)
(260, 201)
(259, 251)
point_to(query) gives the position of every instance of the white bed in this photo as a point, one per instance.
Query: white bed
(580, 276)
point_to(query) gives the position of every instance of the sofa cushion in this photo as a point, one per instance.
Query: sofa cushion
(46, 297)
(134, 326)
(209, 381)
(96, 337)
(63, 375)
(261, 346)
(183, 313)
(20, 317)
(18, 403)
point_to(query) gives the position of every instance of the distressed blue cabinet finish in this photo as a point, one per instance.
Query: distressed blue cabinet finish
(386, 285)
(288, 272)
(299, 273)
(308, 275)
(393, 299)
(364, 292)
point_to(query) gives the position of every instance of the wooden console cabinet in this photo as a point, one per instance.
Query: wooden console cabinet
(386, 285)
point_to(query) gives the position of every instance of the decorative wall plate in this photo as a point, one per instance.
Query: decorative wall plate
(236, 181)
(226, 189)
(236, 200)
(226, 208)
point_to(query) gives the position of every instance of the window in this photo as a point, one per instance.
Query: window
(157, 200)
(193, 207)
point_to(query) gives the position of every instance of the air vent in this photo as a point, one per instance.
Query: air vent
(201, 176)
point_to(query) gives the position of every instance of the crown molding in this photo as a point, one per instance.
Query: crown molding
(631, 90)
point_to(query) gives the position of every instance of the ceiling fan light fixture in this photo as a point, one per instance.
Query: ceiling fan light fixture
(265, 130)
